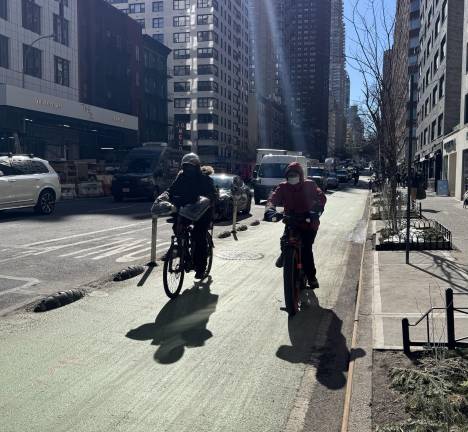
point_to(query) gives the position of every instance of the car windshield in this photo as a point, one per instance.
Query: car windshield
(272, 170)
(140, 163)
(222, 182)
(316, 172)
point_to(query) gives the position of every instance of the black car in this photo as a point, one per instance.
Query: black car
(319, 175)
(226, 183)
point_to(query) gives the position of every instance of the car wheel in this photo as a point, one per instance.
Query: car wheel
(46, 202)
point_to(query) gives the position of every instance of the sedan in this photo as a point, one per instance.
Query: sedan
(332, 181)
(229, 185)
(342, 176)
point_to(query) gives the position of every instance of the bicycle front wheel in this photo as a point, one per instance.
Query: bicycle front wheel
(173, 272)
(290, 280)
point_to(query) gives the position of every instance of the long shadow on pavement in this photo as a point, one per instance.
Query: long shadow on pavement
(331, 358)
(180, 324)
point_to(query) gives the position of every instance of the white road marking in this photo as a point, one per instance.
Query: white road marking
(377, 319)
(94, 248)
(119, 249)
(30, 282)
(136, 254)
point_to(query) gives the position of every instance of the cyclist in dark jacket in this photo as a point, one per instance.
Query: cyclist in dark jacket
(299, 196)
(189, 185)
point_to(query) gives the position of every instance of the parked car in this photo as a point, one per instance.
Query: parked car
(146, 172)
(27, 181)
(319, 175)
(332, 180)
(225, 183)
(342, 175)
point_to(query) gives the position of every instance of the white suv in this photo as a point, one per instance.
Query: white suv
(28, 182)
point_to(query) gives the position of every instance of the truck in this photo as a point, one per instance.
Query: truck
(271, 173)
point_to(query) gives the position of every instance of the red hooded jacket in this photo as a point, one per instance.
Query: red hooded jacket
(304, 197)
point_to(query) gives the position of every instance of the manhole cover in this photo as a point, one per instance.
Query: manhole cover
(239, 255)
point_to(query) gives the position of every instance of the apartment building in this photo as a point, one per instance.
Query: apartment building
(209, 73)
(440, 67)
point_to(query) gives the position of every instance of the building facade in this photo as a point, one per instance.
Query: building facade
(121, 69)
(355, 133)
(440, 66)
(266, 110)
(209, 69)
(404, 65)
(455, 152)
(337, 92)
(40, 111)
(306, 44)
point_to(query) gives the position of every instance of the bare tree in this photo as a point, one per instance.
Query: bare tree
(385, 91)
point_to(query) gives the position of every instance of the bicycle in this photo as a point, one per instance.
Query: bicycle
(179, 258)
(294, 278)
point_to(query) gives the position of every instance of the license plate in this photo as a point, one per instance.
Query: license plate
(126, 190)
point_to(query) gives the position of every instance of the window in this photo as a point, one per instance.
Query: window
(440, 125)
(26, 167)
(208, 69)
(208, 118)
(433, 130)
(60, 30)
(204, 3)
(180, 4)
(442, 49)
(136, 8)
(204, 36)
(209, 134)
(466, 108)
(437, 27)
(158, 22)
(62, 71)
(181, 37)
(31, 16)
(444, 10)
(181, 70)
(32, 61)
(158, 6)
(4, 52)
(159, 37)
(182, 86)
(434, 95)
(207, 86)
(180, 54)
(207, 53)
(4, 9)
(204, 19)
(182, 103)
(436, 61)
(207, 102)
(181, 21)
(441, 87)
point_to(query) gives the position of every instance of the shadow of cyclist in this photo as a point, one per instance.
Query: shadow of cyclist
(181, 323)
(316, 338)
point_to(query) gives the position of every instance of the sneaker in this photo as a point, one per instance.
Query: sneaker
(200, 275)
(313, 283)
(279, 261)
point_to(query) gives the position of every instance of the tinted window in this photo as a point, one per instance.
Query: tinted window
(29, 167)
(272, 170)
(223, 182)
(316, 172)
(7, 169)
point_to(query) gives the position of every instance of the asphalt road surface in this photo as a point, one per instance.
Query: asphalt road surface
(83, 241)
(221, 357)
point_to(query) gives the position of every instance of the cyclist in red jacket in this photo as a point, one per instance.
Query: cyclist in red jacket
(301, 197)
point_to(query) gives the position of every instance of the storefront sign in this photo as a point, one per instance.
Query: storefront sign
(27, 99)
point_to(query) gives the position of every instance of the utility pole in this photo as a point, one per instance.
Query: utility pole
(408, 180)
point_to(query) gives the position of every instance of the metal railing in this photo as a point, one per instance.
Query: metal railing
(450, 310)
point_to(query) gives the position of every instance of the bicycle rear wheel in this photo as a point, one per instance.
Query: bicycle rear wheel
(173, 272)
(291, 282)
(209, 240)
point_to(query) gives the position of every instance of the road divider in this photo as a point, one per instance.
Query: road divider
(128, 273)
(59, 299)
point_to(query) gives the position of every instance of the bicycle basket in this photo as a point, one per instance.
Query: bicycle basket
(194, 212)
(162, 209)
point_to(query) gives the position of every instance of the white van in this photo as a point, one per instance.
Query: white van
(271, 173)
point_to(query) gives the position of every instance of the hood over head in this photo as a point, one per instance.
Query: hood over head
(297, 168)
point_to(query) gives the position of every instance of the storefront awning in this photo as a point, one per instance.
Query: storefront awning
(26, 99)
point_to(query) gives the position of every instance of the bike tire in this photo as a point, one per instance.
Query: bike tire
(209, 240)
(290, 275)
(172, 286)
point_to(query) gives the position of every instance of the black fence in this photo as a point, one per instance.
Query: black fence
(451, 342)
(425, 234)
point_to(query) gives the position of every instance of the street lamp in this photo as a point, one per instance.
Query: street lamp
(26, 53)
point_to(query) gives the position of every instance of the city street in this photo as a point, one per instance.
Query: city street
(222, 357)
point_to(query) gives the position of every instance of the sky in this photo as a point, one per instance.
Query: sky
(356, 80)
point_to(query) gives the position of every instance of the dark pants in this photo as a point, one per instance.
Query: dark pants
(308, 263)
(200, 245)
